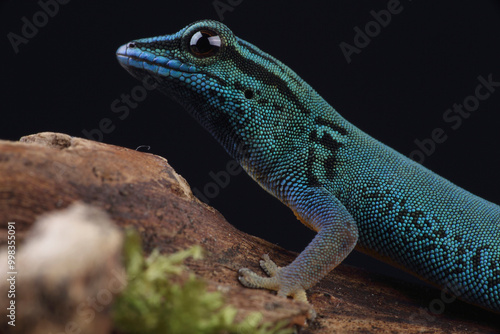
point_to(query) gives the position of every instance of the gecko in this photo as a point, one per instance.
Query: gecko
(351, 189)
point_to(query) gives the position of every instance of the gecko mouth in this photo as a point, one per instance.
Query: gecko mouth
(135, 60)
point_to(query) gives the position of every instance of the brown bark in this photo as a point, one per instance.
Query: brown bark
(49, 171)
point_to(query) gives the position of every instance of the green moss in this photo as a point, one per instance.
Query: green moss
(154, 303)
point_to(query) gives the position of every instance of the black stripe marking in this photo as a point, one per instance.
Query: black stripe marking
(494, 279)
(330, 143)
(312, 180)
(278, 107)
(220, 81)
(313, 136)
(251, 49)
(476, 259)
(223, 129)
(239, 86)
(330, 164)
(331, 125)
(219, 97)
(268, 78)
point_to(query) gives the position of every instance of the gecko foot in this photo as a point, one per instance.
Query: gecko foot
(276, 281)
(269, 266)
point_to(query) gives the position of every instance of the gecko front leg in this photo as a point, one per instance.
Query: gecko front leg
(337, 236)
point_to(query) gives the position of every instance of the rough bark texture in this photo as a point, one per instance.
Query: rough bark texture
(49, 171)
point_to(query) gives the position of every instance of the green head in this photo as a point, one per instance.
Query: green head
(248, 100)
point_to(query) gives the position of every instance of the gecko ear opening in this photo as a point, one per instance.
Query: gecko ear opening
(249, 94)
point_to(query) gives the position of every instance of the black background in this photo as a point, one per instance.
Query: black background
(397, 89)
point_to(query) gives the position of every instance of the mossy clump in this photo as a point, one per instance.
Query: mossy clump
(153, 301)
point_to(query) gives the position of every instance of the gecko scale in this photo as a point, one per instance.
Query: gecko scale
(351, 189)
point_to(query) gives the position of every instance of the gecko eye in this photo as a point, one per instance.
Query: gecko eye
(204, 43)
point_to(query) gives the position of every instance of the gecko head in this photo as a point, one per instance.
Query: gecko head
(243, 96)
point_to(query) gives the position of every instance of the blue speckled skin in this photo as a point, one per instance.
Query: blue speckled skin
(339, 181)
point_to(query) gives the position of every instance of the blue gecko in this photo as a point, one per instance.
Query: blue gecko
(350, 188)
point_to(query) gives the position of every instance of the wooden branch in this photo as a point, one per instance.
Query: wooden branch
(49, 171)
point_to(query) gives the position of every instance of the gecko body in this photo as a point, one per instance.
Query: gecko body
(351, 189)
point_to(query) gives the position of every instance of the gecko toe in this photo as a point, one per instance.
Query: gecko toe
(251, 280)
(248, 278)
(269, 266)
